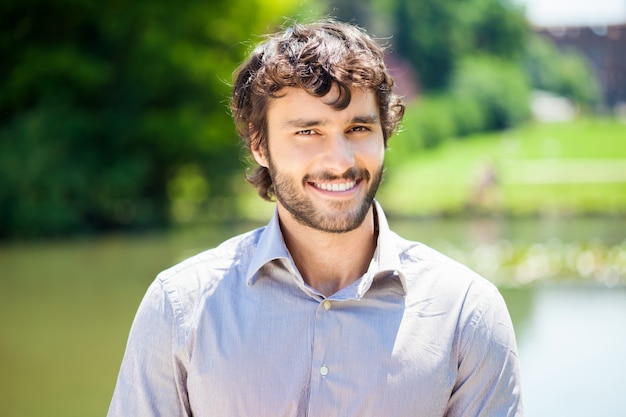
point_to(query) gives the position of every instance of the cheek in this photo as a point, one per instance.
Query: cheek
(289, 156)
(375, 152)
(288, 161)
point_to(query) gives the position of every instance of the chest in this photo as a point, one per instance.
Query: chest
(288, 357)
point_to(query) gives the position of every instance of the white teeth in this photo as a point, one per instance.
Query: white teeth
(336, 187)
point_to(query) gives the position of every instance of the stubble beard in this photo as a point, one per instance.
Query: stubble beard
(345, 217)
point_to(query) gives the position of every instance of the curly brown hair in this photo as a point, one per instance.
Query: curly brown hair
(314, 57)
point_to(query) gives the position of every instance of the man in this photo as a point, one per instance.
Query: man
(325, 311)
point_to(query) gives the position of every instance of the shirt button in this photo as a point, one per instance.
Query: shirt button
(327, 304)
(324, 370)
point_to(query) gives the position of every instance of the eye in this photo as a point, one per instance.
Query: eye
(306, 132)
(359, 129)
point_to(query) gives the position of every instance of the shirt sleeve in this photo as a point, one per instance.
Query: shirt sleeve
(488, 381)
(151, 380)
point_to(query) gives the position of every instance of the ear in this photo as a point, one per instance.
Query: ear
(257, 150)
(259, 155)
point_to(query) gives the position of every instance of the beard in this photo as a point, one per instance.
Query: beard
(341, 216)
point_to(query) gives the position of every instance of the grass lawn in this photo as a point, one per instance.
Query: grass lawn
(564, 168)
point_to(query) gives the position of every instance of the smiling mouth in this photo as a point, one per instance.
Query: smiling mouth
(335, 187)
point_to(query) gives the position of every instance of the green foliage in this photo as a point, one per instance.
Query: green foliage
(567, 73)
(429, 35)
(469, 115)
(427, 122)
(496, 27)
(498, 87)
(114, 114)
(486, 94)
(102, 103)
(434, 35)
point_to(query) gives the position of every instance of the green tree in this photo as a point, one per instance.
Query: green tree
(498, 87)
(103, 104)
(429, 37)
(435, 35)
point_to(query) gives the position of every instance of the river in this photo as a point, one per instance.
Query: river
(65, 308)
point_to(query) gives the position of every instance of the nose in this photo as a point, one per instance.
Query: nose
(339, 153)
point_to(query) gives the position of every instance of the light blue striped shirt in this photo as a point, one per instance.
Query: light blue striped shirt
(235, 331)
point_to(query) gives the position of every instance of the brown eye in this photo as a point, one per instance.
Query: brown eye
(360, 129)
(306, 132)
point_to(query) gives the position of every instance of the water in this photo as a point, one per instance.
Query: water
(571, 345)
(566, 293)
(66, 307)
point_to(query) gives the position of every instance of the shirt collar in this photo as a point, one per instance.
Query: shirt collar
(271, 246)
(386, 260)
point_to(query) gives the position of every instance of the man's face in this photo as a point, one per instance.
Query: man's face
(325, 164)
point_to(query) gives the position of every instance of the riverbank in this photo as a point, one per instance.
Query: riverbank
(555, 169)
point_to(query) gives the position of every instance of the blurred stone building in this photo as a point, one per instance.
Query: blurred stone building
(605, 47)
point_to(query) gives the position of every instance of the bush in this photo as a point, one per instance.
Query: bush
(431, 121)
(487, 94)
(428, 122)
(499, 87)
(469, 116)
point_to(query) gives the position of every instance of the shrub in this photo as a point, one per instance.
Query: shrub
(499, 87)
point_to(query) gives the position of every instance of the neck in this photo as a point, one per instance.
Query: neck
(329, 262)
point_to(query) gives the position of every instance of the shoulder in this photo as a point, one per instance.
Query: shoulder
(446, 285)
(428, 271)
(200, 274)
(420, 261)
(232, 252)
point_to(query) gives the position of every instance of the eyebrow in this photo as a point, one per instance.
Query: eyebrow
(306, 123)
(368, 119)
(303, 123)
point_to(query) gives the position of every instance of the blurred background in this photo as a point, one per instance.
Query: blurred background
(118, 158)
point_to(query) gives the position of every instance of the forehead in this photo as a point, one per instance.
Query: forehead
(291, 102)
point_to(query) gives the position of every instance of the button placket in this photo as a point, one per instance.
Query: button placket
(325, 332)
